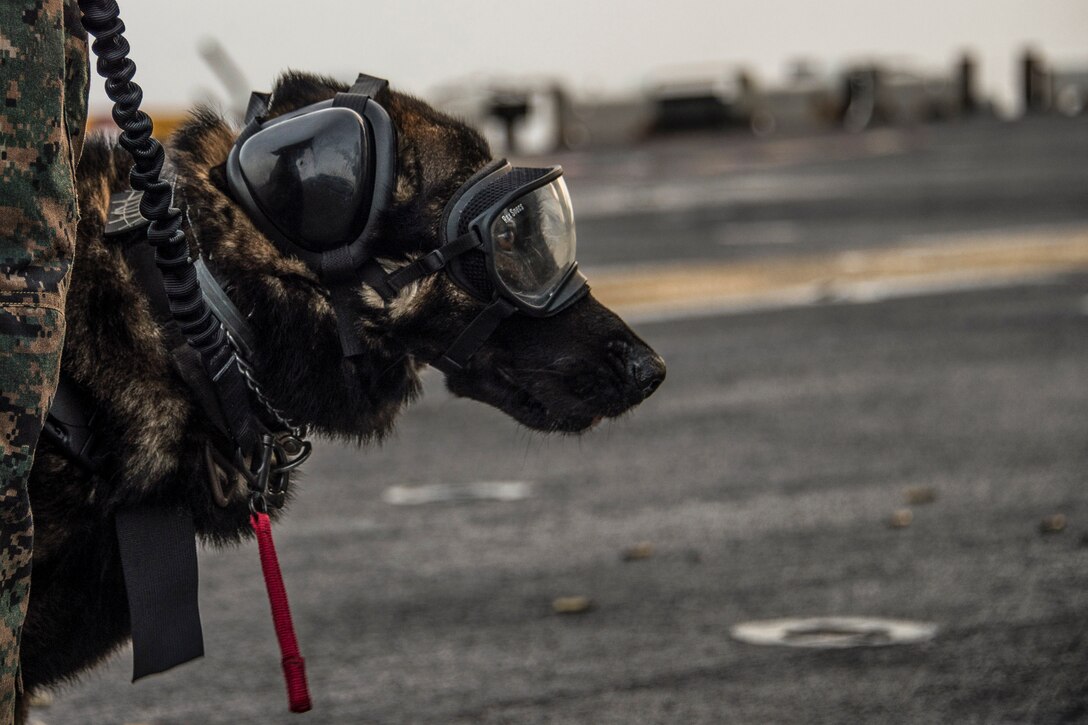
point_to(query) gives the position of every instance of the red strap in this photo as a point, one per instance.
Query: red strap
(294, 667)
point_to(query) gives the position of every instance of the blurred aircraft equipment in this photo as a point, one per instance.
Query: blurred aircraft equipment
(526, 116)
(1048, 89)
(1071, 92)
(877, 93)
(510, 107)
(807, 100)
(608, 122)
(1036, 83)
(967, 72)
(167, 120)
(229, 74)
(698, 99)
(533, 116)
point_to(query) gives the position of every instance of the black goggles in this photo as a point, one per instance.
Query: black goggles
(507, 238)
(522, 224)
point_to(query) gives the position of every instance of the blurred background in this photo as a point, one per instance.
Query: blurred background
(858, 234)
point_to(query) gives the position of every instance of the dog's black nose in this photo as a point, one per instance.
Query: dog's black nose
(648, 372)
(643, 368)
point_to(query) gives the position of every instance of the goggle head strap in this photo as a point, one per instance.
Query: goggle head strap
(470, 339)
(389, 285)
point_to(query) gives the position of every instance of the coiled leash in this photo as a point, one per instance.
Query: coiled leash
(154, 540)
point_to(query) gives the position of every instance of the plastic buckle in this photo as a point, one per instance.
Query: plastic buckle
(432, 261)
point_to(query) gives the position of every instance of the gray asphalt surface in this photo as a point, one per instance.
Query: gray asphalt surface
(763, 472)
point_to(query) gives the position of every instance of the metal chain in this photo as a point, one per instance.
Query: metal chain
(255, 387)
(246, 369)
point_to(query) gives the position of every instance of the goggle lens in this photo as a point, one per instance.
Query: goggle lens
(533, 242)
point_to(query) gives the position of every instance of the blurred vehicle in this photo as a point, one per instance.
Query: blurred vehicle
(807, 100)
(1071, 91)
(1052, 89)
(700, 98)
(517, 115)
(876, 92)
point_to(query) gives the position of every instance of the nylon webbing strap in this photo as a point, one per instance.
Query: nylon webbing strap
(233, 395)
(374, 275)
(257, 108)
(432, 261)
(158, 556)
(339, 275)
(364, 88)
(224, 309)
(369, 85)
(474, 335)
(187, 361)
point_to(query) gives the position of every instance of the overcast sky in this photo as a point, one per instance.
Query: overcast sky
(595, 47)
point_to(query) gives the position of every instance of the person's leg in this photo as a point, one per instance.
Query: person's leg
(44, 102)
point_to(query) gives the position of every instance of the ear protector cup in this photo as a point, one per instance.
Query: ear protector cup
(315, 180)
(312, 177)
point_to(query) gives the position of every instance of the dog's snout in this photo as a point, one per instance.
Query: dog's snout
(647, 371)
(643, 368)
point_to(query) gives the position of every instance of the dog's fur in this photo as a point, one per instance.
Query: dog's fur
(562, 373)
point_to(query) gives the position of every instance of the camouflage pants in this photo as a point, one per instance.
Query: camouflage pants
(43, 82)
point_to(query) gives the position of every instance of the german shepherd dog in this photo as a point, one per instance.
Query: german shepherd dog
(557, 374)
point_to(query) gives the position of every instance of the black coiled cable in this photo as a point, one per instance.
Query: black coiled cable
(102, 19)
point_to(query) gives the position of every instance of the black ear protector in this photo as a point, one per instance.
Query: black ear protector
(316, 180)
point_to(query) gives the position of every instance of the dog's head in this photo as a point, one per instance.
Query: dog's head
(559, 373)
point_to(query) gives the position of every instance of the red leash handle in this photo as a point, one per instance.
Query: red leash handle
(294, 667)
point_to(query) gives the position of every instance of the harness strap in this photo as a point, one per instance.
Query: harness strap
(70, 424)
(294, 666)
(158, 556)
(233, 394)
(187, 361)
(473, 336)
(241, 334)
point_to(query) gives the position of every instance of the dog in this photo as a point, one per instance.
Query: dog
(558, 374)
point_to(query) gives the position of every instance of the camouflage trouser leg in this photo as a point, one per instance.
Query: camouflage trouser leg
(43, 83)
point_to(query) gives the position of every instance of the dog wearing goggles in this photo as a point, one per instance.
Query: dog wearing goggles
(361, 235)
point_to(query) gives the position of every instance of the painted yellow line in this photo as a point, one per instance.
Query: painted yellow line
(958, 259)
